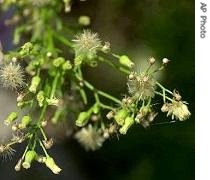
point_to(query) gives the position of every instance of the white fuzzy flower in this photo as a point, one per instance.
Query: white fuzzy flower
(11, 76)
(86, 44)
(177, 109)
(141, 86)
(90, 138)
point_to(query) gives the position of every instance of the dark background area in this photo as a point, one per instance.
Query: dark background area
(139, 28)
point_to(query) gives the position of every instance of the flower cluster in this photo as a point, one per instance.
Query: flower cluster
(57, 91)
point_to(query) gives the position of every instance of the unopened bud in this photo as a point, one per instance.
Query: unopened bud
(84, 20)
(34, 84)
(165, 61)
(58, 61)
(124, 60)
(24, 122)
(152, 60)
(120, 116)
(29, 157)
(50, 163)
(82, 119)
(40, 98)
(128, 122)
(67, 65)
(53, 101)
(12, 116)
(132, 76)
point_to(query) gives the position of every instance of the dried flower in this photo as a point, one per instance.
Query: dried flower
(90, 138)
(6, 152)
(18, 165)
(11, 76)
(177, 109)
(142, 86)
(48, 143)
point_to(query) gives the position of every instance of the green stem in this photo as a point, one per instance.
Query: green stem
(63, 40)
(91, 87)
(163, 88)
(54, 85)
(158, 93)
(108, 96)
(43, 133)
(42, 113)
(119, 68)
(43, 148)
(104, 106)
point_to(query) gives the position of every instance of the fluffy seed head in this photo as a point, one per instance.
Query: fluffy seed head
(90, 138)
(86, 44)
(11, 76)
(141, 86)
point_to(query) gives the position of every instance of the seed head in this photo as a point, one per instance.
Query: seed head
(86, 44)
(11, 76)
(142, 86)
(90, 138)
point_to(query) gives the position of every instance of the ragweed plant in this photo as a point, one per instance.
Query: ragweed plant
(46, 72)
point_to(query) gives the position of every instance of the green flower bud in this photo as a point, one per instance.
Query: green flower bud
(58, 61)
(120, 116)
(26, 48)
(128, 122)
(124, 60)
(29, 157)
(83, 118)
(67, 65)
(53, 101)
(50, 163)
(24, 103)
(34, 84)
(12, 116)
(40, 98)
(24, 122)
(84, 20)
(78, 60)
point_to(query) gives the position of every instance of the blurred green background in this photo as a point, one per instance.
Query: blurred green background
(139, 28)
